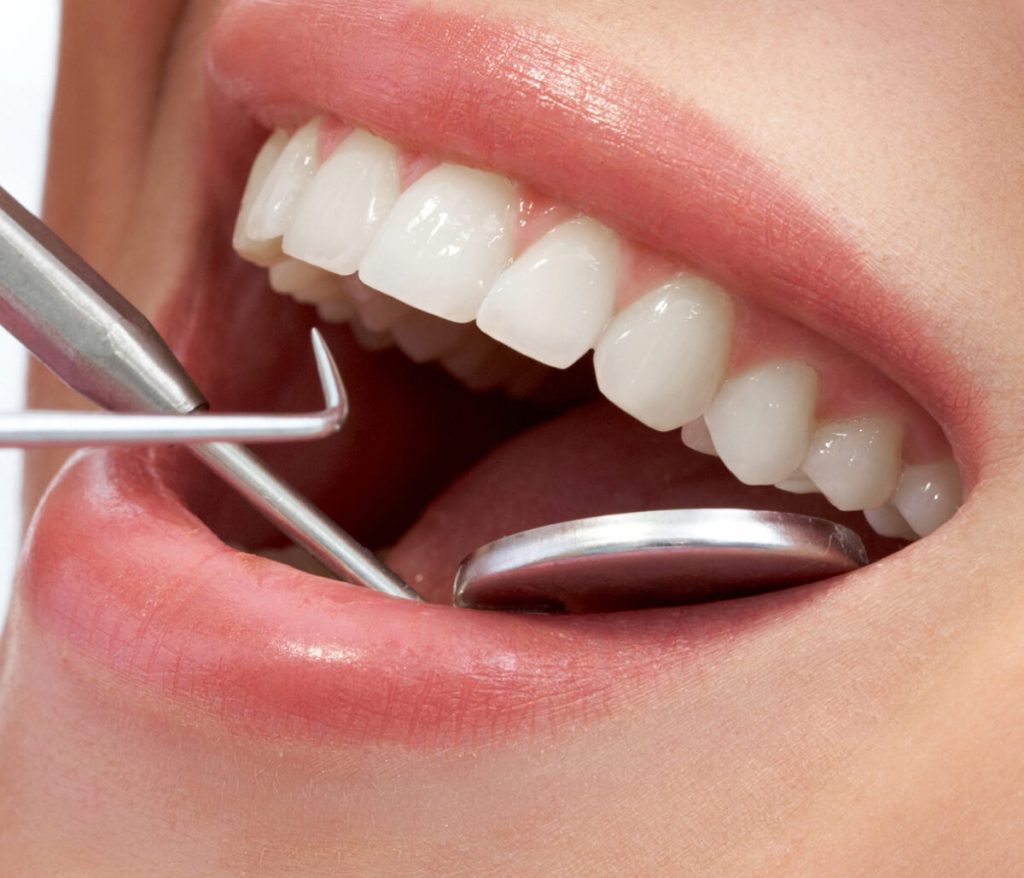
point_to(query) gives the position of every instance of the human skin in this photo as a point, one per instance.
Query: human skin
(885, 747)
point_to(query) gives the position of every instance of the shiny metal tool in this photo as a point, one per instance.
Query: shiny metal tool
(653, 559)
(102, 346)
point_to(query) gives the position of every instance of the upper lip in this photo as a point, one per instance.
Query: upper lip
(291, 648)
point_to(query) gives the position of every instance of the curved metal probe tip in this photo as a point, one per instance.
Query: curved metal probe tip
(34, 429)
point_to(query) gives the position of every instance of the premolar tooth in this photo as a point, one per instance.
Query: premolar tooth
(928, 495)
(697, 437)
(445, 241)
(662, 358)
(273, 207)
(761, 420)
(887, 521)
(260, 252)
(337, 215)
(553, 301)
(856, 462)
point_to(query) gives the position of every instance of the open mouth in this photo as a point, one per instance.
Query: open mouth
(539, 317)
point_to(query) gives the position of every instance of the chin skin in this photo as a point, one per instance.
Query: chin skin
(893, 751)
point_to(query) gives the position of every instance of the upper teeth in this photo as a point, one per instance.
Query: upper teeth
(450, 246)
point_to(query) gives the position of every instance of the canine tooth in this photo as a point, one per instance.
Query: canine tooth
(290, 275)
(424, 337)
(856, 462)
(887, 521)
(761, 420)
(338, 213)
(553, 301)
(445, 241)
(259, 252)
(662, 358)
(928, 495)
(697, 437)
(274, 205)
(798, 483)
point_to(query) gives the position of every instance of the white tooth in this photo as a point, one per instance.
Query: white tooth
(274, 204)
(446, 240)
(928, 495)
(696, 437)
(259, 252)
(662, 358)
(424, 337)
(339, 212)
(761, 420)
(798, 483)
(290, 275)
(553, 301)
(336, 310)
(887, 521)
(856, 462)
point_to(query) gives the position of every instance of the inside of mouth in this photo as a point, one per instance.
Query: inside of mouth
(455, 439)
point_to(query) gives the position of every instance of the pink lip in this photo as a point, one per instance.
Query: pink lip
(118, 568)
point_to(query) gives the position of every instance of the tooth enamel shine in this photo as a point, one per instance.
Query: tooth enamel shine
(259, 252)
(445, 241)
(553, 301)
(761, 421)
(928, 495)
(274, 205)
(339, 212)
(856, 463)
(662, 358)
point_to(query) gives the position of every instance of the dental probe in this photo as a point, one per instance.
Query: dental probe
(98, 343)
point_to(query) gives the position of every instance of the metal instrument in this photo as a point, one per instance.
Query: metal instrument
(103, 347)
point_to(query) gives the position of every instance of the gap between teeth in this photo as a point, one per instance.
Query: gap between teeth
(415, 265)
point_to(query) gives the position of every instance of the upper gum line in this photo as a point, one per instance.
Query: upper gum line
(435, 236)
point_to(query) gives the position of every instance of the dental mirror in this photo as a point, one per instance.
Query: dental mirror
(657, 558)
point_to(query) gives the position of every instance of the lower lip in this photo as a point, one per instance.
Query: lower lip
(117, 568)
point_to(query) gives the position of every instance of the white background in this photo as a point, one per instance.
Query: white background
(28, 50)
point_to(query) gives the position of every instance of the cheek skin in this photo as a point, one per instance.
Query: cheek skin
(892, 756)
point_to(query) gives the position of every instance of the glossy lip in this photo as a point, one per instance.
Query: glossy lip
(150, 594)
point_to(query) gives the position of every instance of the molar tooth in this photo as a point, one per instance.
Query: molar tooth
(856, 462)
(761, 420)
(338, 213)
(273, 206)
(887, 521)
(662, 358)
(444, 242)
(259, 252)
(928, 495)
(696, 437)
(553, 301)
